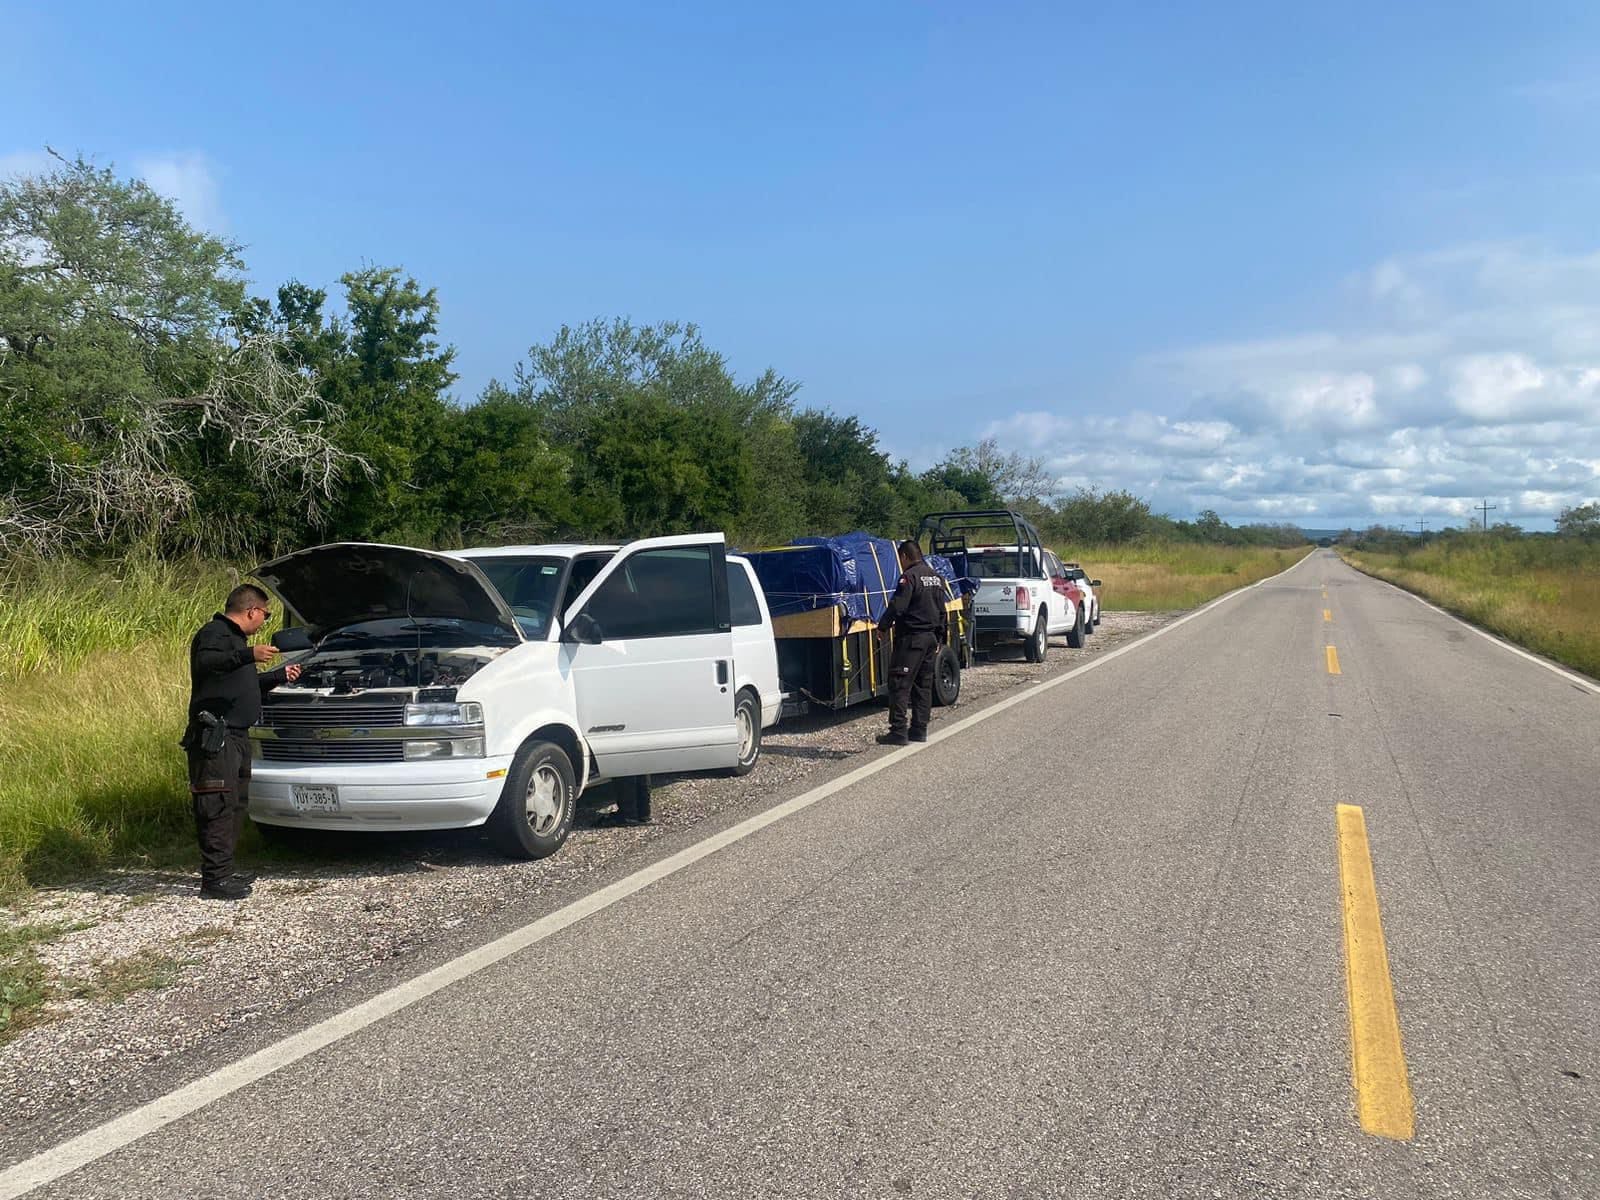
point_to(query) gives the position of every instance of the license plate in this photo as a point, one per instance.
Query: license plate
(314, 798)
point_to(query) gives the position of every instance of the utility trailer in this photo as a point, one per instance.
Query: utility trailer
(829, 654)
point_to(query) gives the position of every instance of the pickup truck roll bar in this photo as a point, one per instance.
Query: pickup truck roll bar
(947, 533)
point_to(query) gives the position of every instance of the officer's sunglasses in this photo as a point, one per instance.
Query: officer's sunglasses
(266, 613)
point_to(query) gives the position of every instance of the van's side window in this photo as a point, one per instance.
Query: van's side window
(583, 572)
(742, 597)
(657, 593)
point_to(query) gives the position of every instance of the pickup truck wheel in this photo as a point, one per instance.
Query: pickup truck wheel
(1075, 634)
(536, 806)
(946, 677)
(1039, 644)
(747, 715)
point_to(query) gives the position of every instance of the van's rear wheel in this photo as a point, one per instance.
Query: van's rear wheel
(946, 676)
(535, 811)
(747, 716)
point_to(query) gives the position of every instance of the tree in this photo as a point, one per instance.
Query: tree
(989, 476)
(1100, 518)
(1580, 521)
(1210, 526)
(129, 389)
(661, 436)
(390, 377)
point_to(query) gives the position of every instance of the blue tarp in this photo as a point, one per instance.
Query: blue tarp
(854, 571)
(960, 585)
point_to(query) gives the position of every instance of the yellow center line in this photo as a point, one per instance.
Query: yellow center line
(1327, 614)
(1383, 1091)
(1333, 661)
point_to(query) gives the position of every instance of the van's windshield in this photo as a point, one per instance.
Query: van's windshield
(528, 585)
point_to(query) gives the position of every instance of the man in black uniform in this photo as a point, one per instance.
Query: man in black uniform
(224, 701)
(915, 613)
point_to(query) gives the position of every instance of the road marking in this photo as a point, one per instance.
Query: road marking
(1327, 614)
(1587, 685)
(96, 1143)
(1333, 662)
(1383, 1091)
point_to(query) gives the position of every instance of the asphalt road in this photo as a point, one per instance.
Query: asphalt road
(1091, 945)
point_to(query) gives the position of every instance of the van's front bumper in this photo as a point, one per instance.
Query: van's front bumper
(449, 794)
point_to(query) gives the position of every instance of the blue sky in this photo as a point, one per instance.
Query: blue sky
(1327, 264)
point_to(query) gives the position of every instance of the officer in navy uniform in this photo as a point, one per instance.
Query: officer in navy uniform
(915, 613)
(224, 701)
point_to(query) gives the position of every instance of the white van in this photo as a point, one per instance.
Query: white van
(492, 686)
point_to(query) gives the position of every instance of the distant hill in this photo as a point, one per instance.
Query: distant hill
(1314, 534)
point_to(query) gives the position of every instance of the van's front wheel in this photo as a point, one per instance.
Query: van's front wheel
(535, 811)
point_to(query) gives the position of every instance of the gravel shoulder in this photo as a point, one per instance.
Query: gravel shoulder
(150, 982)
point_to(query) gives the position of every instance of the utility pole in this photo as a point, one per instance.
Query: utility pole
(1422, 525)
(1487, 509)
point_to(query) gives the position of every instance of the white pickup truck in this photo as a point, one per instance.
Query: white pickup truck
(1018, 600)
(492, 686)
(1023, 595)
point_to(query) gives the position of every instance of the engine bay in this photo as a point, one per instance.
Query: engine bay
(346, 673)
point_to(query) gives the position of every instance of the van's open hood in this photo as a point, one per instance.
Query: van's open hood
(333, 586)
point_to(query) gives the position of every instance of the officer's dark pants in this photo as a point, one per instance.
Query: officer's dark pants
(911, 681)
(220, 787)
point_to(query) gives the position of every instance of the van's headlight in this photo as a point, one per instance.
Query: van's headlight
(470, 713)
(424, 748)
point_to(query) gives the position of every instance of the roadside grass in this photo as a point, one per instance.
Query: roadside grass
(1158, 577)
(1542, 593)
(144, 971)
(93, 685)
(24, 982)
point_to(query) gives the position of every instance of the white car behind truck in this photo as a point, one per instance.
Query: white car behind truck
(493, 686)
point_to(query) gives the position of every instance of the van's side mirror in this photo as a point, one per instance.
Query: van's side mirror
(1094, 583)
(291, 640)
(584, 630)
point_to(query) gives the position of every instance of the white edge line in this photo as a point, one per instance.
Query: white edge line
(50, 1165)
(1569, 676)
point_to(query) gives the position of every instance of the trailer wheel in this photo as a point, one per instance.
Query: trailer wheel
(946, 677)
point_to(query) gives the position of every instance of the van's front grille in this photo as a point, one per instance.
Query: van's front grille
(343, 750)
(333, 715)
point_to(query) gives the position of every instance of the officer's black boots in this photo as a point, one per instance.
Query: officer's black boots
(895, 739)
(225, 889)
(919, 735)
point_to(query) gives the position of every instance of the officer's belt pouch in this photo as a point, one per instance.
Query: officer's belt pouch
(206, 735)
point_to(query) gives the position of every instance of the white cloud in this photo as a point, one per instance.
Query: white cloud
(1469, 372)
(25, 162)
(186, 177)
(189, 180)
